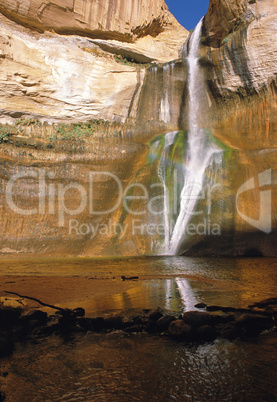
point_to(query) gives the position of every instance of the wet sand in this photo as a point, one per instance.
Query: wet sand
(70, 292)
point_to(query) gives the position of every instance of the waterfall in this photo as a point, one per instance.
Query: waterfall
(169, 140)
(198, 156)
(202, 159)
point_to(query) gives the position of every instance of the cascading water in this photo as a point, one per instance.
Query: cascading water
(169, 140)
(188, 164)
(200, 158)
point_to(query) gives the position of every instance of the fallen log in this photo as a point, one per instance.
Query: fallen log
(63, 310)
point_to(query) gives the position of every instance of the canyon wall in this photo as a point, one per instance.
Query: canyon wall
(132, 75)
(56, 77)
(117, 19)
(242, 81)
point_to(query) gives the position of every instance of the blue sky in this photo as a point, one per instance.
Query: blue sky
(188, 12)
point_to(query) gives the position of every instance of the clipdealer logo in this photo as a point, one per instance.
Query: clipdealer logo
(46, 196)
(264, 222)
(52, 197)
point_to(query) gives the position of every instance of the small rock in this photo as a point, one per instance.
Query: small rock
(180, 330)
(164, 322)
(206, 333)
(155, 315)
(200, 305)
(79, 312)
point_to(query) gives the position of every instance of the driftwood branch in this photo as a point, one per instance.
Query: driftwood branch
(38, 301)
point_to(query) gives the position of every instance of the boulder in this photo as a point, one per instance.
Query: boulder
(198, 318)
(252, 324)
(180, 330)
(164, 322)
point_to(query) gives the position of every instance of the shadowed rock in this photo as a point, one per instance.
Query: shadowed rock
(9, 316)
(155, 316)
(36, 315)
(92, 324)
(206, 333)
(198, 318)
(79, 312)
(251, 325)
(180, 330)
(164, 322)
(114, 322)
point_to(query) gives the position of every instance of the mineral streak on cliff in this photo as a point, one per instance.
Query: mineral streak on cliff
(117, 19)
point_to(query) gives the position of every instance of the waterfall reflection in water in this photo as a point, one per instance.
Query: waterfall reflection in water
(117, 367)
(234, 282)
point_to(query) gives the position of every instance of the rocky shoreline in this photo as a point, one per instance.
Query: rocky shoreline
(202, 325)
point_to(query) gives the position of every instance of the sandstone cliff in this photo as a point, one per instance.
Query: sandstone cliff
(55, 77)
(118, 19)
(223, 17)
(131, 79)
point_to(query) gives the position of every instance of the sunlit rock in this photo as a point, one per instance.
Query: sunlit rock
(129, 94)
